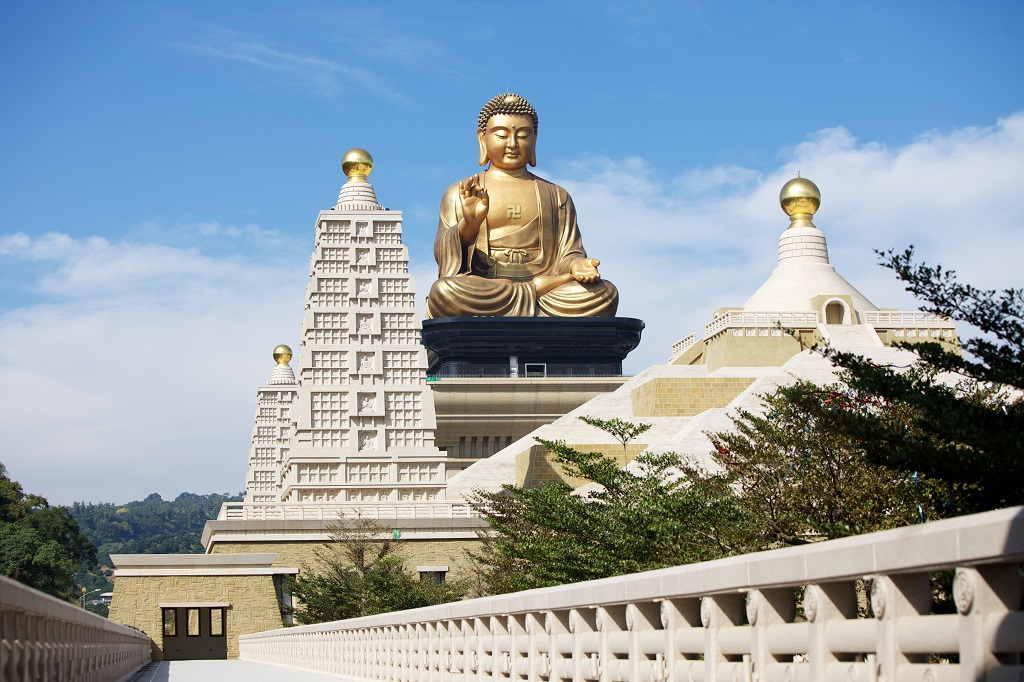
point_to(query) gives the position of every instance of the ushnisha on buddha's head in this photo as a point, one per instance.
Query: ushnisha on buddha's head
(507, 133)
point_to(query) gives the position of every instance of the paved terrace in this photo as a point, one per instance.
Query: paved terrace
(224, 671)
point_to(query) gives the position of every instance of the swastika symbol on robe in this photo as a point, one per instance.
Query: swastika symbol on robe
(514, 211)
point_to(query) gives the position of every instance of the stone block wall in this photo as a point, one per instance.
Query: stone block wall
(254, 606)
(441, 552)
(544, 469)
(686, 396)
(890, 337)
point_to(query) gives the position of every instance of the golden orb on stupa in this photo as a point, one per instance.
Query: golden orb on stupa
(800, 196)
(282, 354)
(357, 164)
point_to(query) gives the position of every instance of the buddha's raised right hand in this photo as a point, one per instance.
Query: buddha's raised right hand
(473, 198)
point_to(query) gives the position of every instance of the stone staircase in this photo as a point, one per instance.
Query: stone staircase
(843, 336)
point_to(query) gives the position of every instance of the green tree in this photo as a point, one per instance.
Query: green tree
(649, 516)
(886, 447)
(968, 432)
(360, 573)
(622, 430)
(149, 526)
(778, 479)
(40, 546)
(804, 480)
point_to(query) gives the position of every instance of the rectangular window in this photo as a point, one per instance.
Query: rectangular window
(217, 622)
(436, 577)
(535, 369)
(193, 622)
(170, 626)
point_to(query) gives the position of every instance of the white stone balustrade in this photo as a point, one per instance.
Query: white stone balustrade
(733, 619)
(914, 319)
(882, 319)
(681, 346)
(739, 318)
(272, 511)
(45, 639)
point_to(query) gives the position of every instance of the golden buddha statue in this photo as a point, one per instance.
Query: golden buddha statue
(507, 243)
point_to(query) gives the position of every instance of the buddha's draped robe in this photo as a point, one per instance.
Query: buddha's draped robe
(492, 276)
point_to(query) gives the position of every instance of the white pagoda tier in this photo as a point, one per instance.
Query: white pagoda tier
(357, 425)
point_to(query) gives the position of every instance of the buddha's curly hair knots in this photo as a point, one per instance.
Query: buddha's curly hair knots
(506, 103)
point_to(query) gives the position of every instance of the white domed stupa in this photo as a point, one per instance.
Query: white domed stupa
(804, 303)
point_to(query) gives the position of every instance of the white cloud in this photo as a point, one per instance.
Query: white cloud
(681, 247)
(327, 77)
(137, 371)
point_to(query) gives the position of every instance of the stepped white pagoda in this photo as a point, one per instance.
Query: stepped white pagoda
(357, 425)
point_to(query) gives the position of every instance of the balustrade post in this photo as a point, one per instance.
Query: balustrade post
(764, 609)
(500, 659)
(420, 657)
(681, 619)
(982, 594)
(717, 611)
(377, 650)
(825, 603)
(611, 622)
(643, 620)
(455, 658)
(435, 632)
(556, 624)
(518, 662)
(538, 663)
(894, 597)
(456, 650)
(476, 652)
(582, 623)
(22, 652)
(405, 652)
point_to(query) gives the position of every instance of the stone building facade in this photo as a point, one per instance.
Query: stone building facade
(196, 606)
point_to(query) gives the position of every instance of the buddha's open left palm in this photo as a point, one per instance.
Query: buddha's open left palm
(585, 270)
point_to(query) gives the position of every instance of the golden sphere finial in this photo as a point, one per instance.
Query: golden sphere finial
(282, 354)
(357, 164)
(800, 199)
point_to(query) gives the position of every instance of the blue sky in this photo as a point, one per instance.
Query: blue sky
(162, 165)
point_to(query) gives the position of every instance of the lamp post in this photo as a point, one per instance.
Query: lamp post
(86, 594)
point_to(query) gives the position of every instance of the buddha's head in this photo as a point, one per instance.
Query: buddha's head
(507, 133)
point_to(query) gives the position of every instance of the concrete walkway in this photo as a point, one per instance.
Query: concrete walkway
(224, 671)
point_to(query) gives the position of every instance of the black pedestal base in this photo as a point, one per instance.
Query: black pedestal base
(529, 346)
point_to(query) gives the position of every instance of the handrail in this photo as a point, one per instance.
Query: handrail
(680, 346)
(807, 320)
(734, 618)
(263, 511)
(911, 318)
(439, 377)
(43, 638)
(740, 318)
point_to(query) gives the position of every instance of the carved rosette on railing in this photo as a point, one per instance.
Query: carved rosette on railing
(867, 614)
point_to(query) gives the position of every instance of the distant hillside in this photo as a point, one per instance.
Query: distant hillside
(150, 526)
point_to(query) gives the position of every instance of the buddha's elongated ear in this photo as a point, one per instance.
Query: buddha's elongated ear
(533, 153)
(482, 158)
